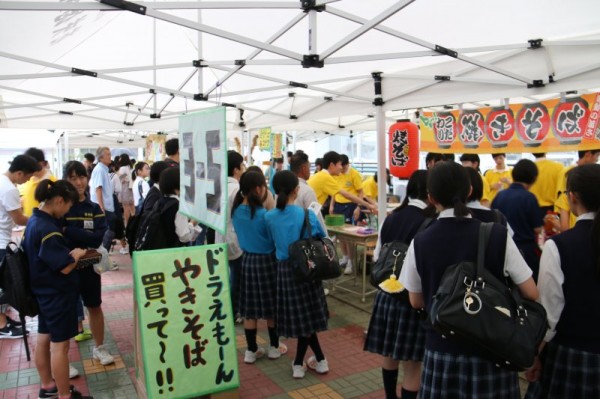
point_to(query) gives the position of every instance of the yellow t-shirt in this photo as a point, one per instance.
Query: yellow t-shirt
(486, 190)
(545, 187)
(324, 185)
(562, 203)
(29, 201)
(370, 188)
(493, 176)
(350, 182)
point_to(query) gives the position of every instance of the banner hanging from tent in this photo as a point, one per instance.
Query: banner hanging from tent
(185, 323)
(546, 126)
(203, 155)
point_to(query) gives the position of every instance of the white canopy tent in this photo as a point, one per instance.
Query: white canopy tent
(307, 66)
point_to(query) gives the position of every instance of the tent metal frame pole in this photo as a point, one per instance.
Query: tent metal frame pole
(99, 75)
(180, 87)
(221, 33)
(154, 62)
(308, 86)
(159, 5)
(293, 22)
(458, 73)
(273, 107)
(381, 154)
(200, 80)
(99, 106)
(366, 26)
(454, 79)
(428, 45)
(576, 71)
(312, 32)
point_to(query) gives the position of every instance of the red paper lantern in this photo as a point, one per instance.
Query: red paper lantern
(403, 149)
(471, 124)
(570, 119)
(444, 129)
(533, 124)
(500, 126)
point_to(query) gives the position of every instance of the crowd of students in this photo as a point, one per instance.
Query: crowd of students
(94, 203)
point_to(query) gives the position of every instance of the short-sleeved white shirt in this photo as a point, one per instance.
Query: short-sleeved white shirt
(9, 201)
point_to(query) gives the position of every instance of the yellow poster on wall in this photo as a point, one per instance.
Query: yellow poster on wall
(155, 147)
(546, 126)
(264, 139)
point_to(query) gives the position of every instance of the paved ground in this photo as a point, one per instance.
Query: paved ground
(353, 372)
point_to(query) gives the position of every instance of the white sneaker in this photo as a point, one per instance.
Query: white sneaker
(344, 261)
(123, 251)
(114, 266)
(298, 371)
(250, 357)
(326, 291)
(73, 372)
(101, 354)
(275, 353)
(321, 367)
(348, 269)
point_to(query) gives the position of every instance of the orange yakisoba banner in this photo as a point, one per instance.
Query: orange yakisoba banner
(546, 126)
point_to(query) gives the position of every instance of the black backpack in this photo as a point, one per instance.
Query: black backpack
(150, 233)
(390, 260)
(16, 287)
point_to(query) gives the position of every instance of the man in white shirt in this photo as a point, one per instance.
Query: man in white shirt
(101, 192)
(235, 169)
(307, 199)
(21, 169)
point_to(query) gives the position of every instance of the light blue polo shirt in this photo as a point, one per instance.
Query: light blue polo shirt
(101, 178)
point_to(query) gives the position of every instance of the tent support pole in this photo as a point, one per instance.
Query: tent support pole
(381, 155)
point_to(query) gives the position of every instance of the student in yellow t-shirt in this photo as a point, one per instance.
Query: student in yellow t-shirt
(567, 218)
(371, 188)
(545, 187)
(324, 184)
(28, 199)
(473, 161)
(498, 178)
(351, 181)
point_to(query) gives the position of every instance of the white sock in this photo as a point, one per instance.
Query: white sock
(349, 264)
(344, 258)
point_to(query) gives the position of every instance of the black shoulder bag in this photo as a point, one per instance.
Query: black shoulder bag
(390, 261)
(313, 258)
(479, 310)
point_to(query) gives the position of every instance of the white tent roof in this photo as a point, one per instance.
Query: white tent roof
(430, 53)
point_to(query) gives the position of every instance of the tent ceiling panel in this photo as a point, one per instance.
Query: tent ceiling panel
(133, 54)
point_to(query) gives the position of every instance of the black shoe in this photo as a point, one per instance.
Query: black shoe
(77, 395)
(15, 323)
(11, 332)
(51, 393)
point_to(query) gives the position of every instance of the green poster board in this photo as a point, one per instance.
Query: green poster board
(184, 313)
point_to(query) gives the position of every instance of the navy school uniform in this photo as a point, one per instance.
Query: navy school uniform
(452, 370)
(488, 216)
(56, 293)
(571, 360)
(523, 214)
(395, 328)
(84, 227)
(258, 285)
(301, 307)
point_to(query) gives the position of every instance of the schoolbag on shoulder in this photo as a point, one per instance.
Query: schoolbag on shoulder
(474, 307)
(389, 263)
(16, 287)
(151, 234)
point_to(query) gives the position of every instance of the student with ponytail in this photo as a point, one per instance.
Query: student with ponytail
(56, 287)
(259, 265)
(140, 185)
(569, 285)
(301, 307)
(395, 329)
(451, 369)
